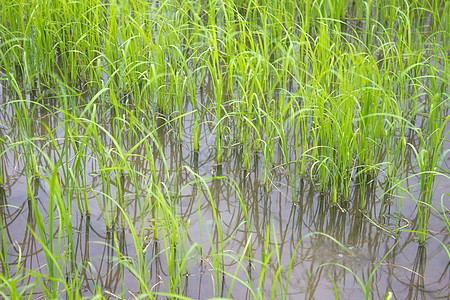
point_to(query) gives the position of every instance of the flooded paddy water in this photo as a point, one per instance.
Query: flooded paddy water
(224, 150)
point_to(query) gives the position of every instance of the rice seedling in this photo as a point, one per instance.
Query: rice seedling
(119, 111)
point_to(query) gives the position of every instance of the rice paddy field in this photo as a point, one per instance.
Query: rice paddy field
(226, 149)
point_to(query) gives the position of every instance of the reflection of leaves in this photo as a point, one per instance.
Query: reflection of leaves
(403, 267)
(366, 286)
(392, 233)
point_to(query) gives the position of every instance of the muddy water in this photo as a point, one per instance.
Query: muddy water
(384, 262)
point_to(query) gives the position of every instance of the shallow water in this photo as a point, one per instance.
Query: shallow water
(409, 271)
(289, 219)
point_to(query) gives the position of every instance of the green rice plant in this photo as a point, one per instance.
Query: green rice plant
(424, 207)
(188, 82)
(27, 145)
(218, 83)
(114, 160)
(10, 287)
(427, 159)
(174, 251)
(57, 253)
(168, 230)
(217, 249)
(81, 146)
